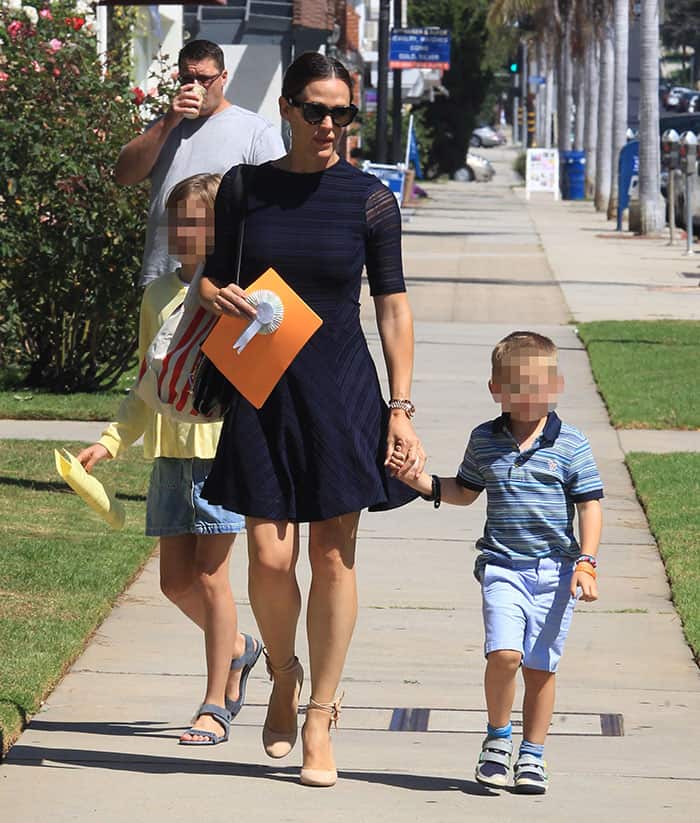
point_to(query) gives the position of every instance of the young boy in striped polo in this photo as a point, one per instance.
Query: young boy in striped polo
(536, 471)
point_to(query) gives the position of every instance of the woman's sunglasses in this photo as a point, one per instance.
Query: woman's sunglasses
(315, 113)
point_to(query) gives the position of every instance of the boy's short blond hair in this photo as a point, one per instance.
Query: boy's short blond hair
(520, 344)
(204, 186)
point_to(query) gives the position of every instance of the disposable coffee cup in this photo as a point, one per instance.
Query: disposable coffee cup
(202, 92)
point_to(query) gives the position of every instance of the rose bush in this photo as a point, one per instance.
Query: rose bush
(70, 238)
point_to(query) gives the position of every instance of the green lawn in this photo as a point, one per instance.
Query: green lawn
(37, 404)
(648, 372)
(669, 487)
(61, 569)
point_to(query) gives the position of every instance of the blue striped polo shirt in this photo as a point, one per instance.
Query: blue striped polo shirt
(530, 495)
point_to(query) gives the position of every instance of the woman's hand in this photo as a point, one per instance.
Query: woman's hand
(231, 301)
(402, 438)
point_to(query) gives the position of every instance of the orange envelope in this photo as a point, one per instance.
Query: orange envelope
(256, 370)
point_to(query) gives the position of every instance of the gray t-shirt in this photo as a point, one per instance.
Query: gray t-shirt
(205, 145)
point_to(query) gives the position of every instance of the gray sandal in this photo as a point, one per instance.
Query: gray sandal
(221, 715)
(245, 663)
(494, 762)
(530, 775)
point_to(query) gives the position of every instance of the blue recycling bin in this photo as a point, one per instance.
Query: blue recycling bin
(573, 176)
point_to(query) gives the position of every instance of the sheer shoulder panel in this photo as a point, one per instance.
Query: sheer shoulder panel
(383, 243)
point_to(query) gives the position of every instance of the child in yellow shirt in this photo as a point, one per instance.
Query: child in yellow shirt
(195, 536)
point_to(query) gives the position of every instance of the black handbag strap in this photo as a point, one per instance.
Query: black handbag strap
(240, 183)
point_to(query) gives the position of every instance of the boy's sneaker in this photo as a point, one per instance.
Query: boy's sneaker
(530, 775)
(494, 762)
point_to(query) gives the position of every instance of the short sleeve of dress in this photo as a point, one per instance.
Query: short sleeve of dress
(383, 243)
(221, 263)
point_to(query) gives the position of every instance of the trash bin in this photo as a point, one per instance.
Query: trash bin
(573, 178)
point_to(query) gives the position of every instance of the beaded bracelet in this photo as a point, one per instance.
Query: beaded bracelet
(435, 495)
(588, 558)
(587, 569)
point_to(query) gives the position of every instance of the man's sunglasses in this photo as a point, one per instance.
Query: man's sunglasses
(315, 113)
(203, 79)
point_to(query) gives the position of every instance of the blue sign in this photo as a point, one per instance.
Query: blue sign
(627, 170)
(413, 154)
(420, 49)
(392, 176)
(537, 80)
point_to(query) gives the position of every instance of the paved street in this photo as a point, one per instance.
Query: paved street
(480, 262)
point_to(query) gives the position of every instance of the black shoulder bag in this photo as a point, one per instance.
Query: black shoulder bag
(211, 391)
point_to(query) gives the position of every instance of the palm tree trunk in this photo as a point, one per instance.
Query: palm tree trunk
(580, 85)
(590, 140)
(621, 11)
(549, 97)
(564, 87)
(650, 200)
(603, 179)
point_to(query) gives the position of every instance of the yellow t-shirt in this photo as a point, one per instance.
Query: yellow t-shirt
(162, 436)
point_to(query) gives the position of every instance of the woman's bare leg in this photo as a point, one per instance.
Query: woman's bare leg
(273, 550)
(330, 621)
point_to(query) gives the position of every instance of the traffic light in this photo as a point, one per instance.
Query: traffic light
(514, 67)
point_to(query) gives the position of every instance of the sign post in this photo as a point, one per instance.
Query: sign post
(542, 172)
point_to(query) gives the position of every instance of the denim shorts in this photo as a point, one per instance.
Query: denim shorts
(528, 607)
(175, 504)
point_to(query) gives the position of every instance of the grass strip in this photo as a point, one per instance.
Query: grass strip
(668, 486)
(647, 371)
(61, 569)
(21, 403)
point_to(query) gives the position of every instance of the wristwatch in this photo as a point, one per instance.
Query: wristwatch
(405, 406)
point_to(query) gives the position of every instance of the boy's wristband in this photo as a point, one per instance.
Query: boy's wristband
(588, 558)
(586, 568)
(435, 495)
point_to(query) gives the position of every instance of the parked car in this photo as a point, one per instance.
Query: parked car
(673, 100)
(477, 168)
(487, 137)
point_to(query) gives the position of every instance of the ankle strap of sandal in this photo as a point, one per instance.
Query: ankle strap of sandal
(332, 708)
(290, 666)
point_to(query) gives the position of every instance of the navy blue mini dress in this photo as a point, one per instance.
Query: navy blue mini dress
(316, 448)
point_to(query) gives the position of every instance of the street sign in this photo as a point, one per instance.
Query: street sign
(542, 172)
(420, 49)
(393, 177)
(537, 80)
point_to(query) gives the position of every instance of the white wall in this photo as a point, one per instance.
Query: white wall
(255, 78)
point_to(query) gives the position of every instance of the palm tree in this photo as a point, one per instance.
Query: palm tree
(621, 12)
(604, 148)
(590, 137)
(650, 201)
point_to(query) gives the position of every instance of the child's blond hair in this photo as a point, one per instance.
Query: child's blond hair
(205, 186)
(518, 344)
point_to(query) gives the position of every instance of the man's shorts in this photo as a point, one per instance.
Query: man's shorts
(175, 505)
(527, 607)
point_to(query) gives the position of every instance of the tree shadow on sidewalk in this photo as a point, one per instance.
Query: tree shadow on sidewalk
(23, 755)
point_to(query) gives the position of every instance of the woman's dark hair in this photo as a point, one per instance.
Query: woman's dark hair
(310, 66)
(197, 50)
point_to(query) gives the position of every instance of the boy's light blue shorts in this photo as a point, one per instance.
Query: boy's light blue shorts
(527, 607)
(175, 504)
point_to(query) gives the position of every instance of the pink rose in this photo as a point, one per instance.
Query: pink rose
(4, 77)
(15, 29)
(36, 66)
(46, 14)
(55, 44)
(152, 92)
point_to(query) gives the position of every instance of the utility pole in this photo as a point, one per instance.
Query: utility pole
(382, 81)
(396, 112)
(524, 90)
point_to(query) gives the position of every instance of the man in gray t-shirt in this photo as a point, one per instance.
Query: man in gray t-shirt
(201, 133)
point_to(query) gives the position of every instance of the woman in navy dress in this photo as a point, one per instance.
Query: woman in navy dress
(317, 450)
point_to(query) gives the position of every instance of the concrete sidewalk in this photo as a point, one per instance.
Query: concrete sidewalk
(104, 745)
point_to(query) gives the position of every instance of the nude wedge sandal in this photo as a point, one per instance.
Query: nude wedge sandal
(323, 777)
(279, 744)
